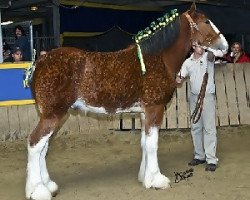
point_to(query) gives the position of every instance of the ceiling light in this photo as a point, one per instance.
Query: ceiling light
(6, 23)
(33, 8)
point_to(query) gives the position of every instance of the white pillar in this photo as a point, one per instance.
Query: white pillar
(1, 40)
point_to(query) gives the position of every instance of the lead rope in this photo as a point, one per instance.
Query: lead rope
(199, 104)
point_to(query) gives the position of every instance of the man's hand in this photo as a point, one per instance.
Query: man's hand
(210, 56)
(179, 79)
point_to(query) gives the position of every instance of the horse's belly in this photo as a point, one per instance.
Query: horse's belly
(81, 105)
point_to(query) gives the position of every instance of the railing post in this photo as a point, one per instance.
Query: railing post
(56, 23)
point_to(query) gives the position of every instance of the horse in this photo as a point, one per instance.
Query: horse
(109, 83)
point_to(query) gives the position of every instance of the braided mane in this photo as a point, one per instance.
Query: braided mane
(160, 35)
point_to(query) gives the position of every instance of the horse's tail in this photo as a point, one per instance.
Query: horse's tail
(28, 75)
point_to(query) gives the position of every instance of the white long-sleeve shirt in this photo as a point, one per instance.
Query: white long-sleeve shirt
(195, 70)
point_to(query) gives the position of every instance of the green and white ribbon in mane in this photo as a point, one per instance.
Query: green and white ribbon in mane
(155, 26)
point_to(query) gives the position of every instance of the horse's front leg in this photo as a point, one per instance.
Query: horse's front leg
(141, 174)
(152, 175)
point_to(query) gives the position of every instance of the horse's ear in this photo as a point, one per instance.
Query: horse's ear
(193, 8)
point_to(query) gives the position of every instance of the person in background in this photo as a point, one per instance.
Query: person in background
(237, 55)
(204, 131)
(22, 42)
(16, 55)
(42, 53)
(6, 51)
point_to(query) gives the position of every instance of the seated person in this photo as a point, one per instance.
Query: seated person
(237, 55)
(16, 56)
(6, 51)
(42, 53)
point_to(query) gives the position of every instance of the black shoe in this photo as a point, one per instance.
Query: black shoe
(196, 162)
(211, 167)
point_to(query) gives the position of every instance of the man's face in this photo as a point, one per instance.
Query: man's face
(17, 56)
(42, 53)
(198, 50)
(18, 33)
(236, 48)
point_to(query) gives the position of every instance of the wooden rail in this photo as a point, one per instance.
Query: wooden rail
(233, 108)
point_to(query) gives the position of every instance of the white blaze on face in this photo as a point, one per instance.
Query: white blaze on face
(222, 43)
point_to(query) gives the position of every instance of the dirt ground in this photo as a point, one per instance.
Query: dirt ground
(105, 166)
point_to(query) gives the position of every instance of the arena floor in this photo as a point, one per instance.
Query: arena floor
(105, 166)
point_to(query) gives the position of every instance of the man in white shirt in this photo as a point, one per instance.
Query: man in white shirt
(204, 131)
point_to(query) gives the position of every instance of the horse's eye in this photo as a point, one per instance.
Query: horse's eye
(207, 21)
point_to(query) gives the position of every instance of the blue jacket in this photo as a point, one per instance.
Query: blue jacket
(24, 44)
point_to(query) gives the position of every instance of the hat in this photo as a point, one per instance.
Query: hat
(16, 49)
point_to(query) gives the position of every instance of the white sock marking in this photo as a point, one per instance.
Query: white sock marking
(34, 182)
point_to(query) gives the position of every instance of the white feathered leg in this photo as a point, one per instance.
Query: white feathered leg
(35, 188)
(141, 173)
(51, 185)
(153, 177)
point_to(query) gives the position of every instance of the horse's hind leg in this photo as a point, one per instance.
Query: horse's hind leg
(152, 174)
(51, 185)
(38, 183)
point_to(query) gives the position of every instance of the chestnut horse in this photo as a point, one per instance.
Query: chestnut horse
(112, 82)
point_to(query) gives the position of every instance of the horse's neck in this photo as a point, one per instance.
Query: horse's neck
(175, 55)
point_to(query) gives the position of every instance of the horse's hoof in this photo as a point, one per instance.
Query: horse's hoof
(158, 181)
(40, 193)
(53, 188)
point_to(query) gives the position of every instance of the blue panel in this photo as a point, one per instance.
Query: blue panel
(11, 85)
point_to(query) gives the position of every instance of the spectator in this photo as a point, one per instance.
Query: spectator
(42, 53)
(6, 51)
(237, 55)
(16, 56)
(22, 42)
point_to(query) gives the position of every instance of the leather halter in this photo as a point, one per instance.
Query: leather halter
(193, 26)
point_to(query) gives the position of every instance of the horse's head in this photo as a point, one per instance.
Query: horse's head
(203, 31)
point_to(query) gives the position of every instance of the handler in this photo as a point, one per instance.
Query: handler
(204, 131)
